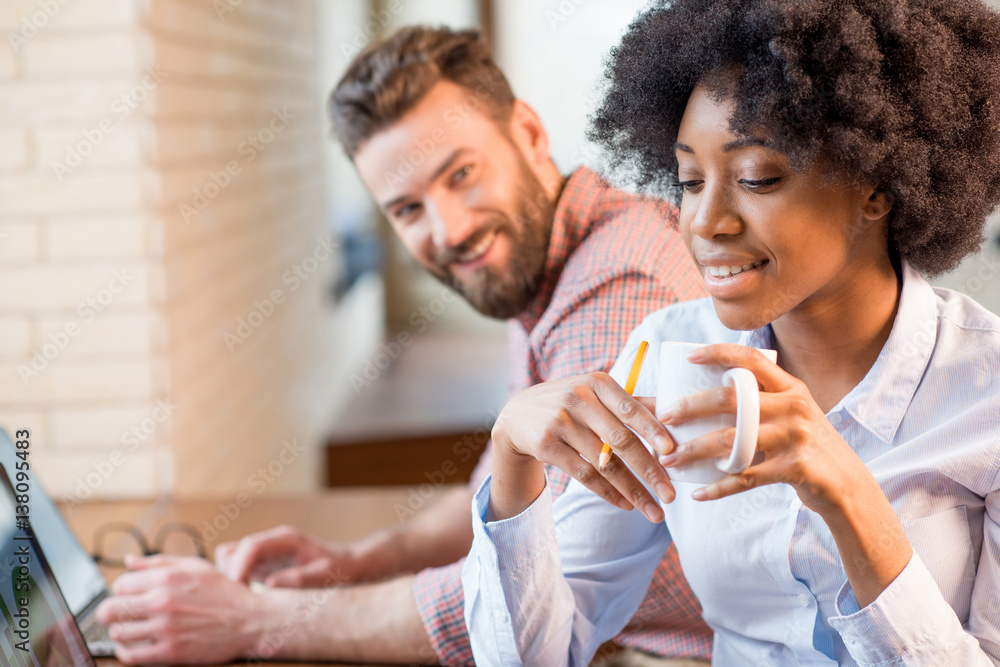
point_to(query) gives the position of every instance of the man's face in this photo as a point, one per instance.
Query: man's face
(463, 198)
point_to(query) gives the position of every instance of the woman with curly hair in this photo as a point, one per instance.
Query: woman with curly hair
(823, 154)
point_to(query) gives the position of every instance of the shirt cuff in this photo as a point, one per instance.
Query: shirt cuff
(502, 576)
(909, 614)
(535, 526)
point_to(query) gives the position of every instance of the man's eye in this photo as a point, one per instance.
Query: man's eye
(406, 210)
(460, 174)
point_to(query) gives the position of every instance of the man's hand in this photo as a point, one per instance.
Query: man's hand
(286, 557)
(171, 609)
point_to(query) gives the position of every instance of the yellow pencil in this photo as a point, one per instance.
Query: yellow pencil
(633, 377)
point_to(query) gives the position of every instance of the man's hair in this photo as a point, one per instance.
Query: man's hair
(904, 94)
(390, 77)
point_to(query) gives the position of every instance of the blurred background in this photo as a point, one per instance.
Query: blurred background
(197, 296)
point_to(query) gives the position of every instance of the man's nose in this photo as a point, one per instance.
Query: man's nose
(451, 223)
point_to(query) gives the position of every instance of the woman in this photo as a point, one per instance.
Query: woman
(824, 154)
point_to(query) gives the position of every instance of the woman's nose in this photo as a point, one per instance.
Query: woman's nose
(714, 215)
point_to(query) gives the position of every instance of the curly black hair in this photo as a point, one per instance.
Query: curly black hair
(904, 94)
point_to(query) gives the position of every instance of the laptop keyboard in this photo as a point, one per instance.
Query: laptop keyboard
(96, 632)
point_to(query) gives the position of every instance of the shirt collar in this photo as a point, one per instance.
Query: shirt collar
(762, 339)
(881, 399)
(577, 213)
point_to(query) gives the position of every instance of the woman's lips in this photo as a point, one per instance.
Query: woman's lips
(723, 283)
(725, 271)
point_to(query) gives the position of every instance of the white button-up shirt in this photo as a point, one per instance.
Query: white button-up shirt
(548, 586)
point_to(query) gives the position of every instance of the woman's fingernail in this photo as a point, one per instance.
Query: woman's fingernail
(652, 512)
(701, 493)
(664, 445)
(665, 415)
(668, 461)
(695, 355)
(664, 491)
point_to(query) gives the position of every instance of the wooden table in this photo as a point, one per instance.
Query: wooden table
(338, 515)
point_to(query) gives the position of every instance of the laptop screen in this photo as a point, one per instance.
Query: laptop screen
(36, 627)
(78, 575)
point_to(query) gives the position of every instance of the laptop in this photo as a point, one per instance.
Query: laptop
(77, 574)
(36, 626)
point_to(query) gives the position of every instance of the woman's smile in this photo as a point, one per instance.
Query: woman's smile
(725, 279)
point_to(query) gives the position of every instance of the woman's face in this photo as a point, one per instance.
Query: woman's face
(767, 240)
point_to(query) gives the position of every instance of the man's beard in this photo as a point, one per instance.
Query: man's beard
(506, 292)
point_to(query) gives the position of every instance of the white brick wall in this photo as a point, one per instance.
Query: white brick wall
(15, 336)
(112, 116)
(13, 149)
(19, 240)
(70, 14)
(108, 236)
(60, 52)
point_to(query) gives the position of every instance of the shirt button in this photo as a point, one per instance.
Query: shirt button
(802, 599)
(849, 640)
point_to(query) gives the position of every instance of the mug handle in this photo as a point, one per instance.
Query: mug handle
(747, 420)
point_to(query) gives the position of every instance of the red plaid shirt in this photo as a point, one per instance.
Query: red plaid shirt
(613, 259)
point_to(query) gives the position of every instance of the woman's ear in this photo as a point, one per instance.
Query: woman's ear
(879, 204)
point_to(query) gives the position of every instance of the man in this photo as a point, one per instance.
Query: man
(462, 171)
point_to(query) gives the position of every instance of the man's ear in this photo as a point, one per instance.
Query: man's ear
(529, 134)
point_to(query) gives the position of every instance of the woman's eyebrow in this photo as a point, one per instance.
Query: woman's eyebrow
(731, 146)
(742, 143)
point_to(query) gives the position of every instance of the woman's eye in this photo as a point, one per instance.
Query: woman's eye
(751, 184)
(688, 186)
(758, 184)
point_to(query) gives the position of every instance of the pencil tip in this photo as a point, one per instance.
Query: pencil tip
(603, 461)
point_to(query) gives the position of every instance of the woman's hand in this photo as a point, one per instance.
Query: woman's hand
(565, 423)
(804, 450)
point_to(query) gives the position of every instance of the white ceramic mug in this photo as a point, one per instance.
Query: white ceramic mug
(678, 378)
